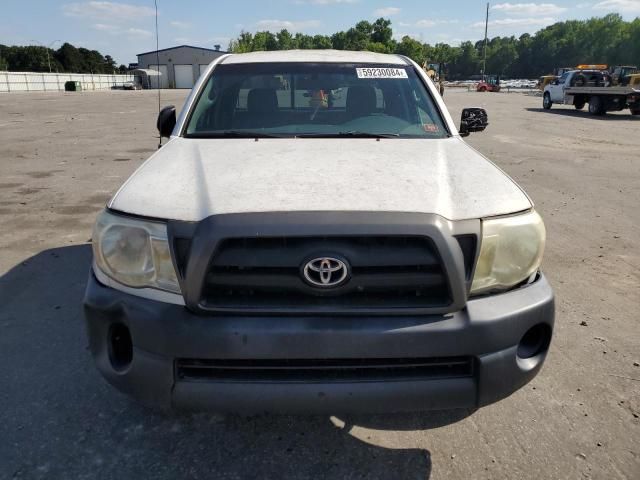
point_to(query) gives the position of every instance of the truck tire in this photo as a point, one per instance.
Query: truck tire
(596, 106)
(635, 111)
(579, 105)
(546, 101)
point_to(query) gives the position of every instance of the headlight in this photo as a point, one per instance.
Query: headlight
(510, 252)
(134, 252)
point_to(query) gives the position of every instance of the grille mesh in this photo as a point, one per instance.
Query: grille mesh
(385, 272)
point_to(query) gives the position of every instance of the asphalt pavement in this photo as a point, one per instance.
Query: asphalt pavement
(63, 156)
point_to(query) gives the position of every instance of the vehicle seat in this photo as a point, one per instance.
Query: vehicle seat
(262, 101)
(393, 104)
(262, 108)
(361, 102)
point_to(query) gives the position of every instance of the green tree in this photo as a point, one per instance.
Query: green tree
(607, 39)
(524, 57)
(109, 64)
(365, 28)
(36, 59)
(285, 40)
(69, 57)
(378, 47)
(92, 60)
(443, 53)
(66, 59)
(303, 42)
(242, 44)
(502, 55)
(382, 32)
(264, 41)
(322, 42)
(412, 48)
(632, 44)
(468, 61)
(356, 39)
(339, 40)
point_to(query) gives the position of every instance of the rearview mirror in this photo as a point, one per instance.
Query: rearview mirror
(473, 120)
(166, 121)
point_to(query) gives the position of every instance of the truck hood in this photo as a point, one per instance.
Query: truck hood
(191, 179)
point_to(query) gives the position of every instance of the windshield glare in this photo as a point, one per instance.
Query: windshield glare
(304, 99)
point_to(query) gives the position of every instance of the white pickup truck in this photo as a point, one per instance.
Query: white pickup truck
(316, 236)
(581, 87)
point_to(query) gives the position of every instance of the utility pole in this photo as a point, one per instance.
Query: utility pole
(47, 47)
(486, 27)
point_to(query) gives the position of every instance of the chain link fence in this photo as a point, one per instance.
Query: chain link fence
(54, 82)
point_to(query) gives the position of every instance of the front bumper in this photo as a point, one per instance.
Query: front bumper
(488, 331)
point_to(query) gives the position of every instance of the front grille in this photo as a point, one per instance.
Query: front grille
(323, 370)
(390, 272)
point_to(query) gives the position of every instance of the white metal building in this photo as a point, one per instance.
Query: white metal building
(179, 66)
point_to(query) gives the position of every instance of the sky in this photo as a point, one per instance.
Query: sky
(124, 28)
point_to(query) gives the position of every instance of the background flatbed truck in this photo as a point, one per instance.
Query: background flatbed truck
(601, 99)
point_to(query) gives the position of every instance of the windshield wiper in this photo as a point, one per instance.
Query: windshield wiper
(233, 134)
(351, 133)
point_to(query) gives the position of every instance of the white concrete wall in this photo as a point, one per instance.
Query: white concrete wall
(40, 82)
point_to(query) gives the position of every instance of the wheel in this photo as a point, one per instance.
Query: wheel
(635, 111)
(482, 89)
(596, 106)
(546, 101)
(579, 105)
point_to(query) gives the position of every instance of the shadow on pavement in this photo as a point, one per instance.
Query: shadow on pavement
(60, 419)
(567, 112)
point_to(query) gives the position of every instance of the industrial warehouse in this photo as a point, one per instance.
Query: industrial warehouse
(179, 67)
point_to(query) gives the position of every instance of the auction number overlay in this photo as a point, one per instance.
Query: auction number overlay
(381, 73)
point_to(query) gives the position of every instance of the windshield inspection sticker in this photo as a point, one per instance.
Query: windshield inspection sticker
(381, 73)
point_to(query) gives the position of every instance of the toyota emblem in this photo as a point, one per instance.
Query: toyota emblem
(325, 272)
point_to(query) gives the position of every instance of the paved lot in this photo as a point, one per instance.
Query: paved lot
(63, 155)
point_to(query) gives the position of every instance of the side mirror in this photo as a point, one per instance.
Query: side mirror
(166, 121)
(473, 120)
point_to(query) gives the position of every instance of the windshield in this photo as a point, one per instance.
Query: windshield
(314, 100)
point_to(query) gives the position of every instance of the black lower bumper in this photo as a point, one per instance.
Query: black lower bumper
(253, 364)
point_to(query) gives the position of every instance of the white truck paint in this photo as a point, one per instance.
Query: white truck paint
(191, 179)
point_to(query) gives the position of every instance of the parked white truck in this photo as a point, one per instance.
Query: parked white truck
(285, 254)
(581, 87)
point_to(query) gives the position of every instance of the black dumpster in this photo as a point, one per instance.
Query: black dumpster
(72, 86)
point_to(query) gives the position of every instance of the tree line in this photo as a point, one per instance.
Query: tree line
(609, 40)
(66, 59)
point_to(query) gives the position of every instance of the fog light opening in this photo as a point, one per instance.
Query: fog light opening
(535, 341)
(120, 347)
